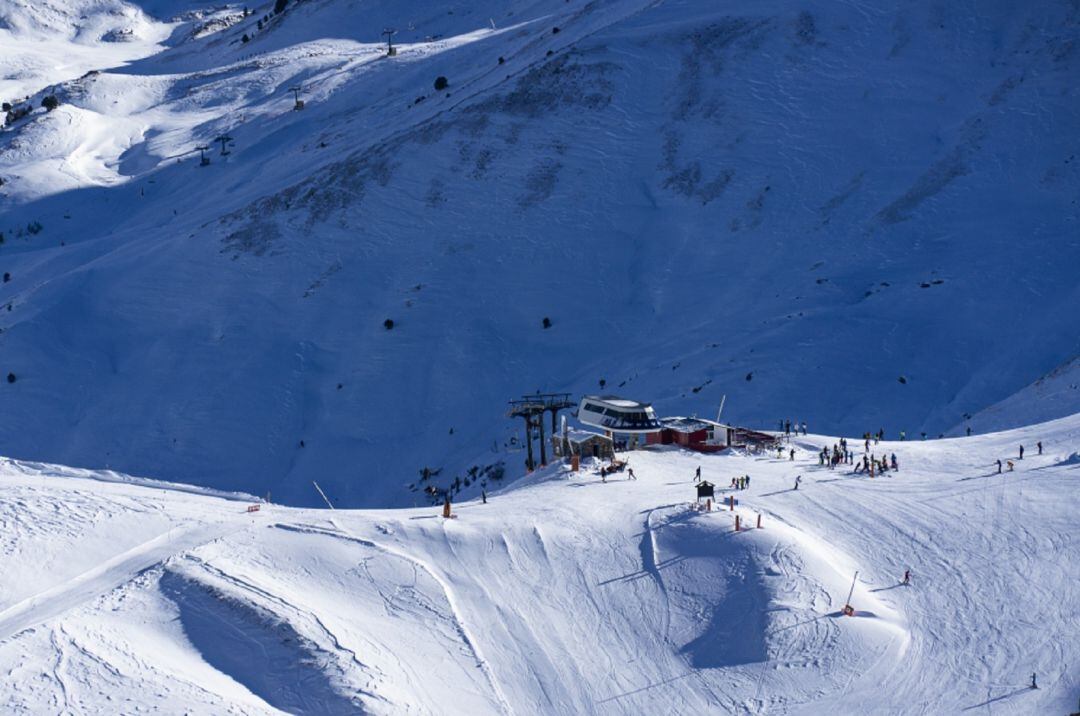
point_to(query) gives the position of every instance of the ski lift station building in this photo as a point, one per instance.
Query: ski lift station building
(633, 424)
(628, 422)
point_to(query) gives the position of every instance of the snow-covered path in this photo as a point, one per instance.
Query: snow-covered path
(565, 594)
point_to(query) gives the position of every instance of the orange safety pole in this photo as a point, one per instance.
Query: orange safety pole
(708, 504)
(731, 503)
(736, 523)
(759, 521)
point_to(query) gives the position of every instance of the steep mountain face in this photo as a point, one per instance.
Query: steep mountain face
(855, 218)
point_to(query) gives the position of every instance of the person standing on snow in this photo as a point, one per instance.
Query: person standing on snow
(697, 474)
(791, 455)
(1039, 445)
(747, 478)
(798, 479)
(907, 576)
(1021, 452)
(894, 465)
(999, 467)
(804, 428)
(630, 473)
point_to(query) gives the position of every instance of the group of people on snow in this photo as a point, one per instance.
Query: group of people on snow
(1010, 464)
(789, 427)
(740, 483)
(886, 463)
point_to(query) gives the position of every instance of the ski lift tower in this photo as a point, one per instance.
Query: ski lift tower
(225, 140)
(390, 49)
(299, 102)
(203, 159)
(533, 412)
(532, 409)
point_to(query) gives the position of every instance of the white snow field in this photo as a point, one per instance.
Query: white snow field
(562, 594)
(869, 211)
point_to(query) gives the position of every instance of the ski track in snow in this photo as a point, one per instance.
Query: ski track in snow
(565, 594)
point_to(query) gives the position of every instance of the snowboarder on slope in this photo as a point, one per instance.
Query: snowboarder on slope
(907, 576)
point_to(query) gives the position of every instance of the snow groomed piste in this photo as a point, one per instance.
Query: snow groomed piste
(563, 593)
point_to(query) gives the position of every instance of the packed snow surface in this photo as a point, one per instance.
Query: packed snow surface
(562, 594)
(866, 211)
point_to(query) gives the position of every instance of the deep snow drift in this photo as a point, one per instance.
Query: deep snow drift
(862, 212)
(562, 594)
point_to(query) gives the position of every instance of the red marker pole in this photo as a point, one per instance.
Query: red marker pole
(731, 503)
(759, 521)
(736, 523)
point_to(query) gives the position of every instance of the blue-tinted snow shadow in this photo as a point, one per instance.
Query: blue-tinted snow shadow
(261, 652)
(716, 576)
(999, 698)
(860, 613)
(778, 492)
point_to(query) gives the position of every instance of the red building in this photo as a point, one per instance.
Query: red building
(691, 433)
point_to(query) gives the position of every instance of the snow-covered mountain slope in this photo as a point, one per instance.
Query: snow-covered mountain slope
(561, 594)
(856, 217)
(1053, 394)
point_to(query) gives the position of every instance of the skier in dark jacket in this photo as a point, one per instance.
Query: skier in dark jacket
(999, 467)
(798, 479)
(1021, 452)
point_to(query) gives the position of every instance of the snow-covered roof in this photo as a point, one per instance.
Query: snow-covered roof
(615, 401)
(686, 425)
(576, 435)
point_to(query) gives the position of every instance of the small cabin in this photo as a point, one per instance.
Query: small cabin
(693, 434)
(583, 443)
